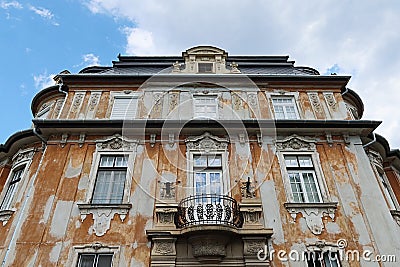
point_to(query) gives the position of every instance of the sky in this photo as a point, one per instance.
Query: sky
(39, 39)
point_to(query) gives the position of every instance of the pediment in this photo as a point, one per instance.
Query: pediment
(204, 50)
(296, 143)
(116, 142)
(206, 142)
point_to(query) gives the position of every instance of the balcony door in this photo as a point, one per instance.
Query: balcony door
(207, 174)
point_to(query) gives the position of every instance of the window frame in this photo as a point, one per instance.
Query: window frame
(194, 147)
(317, 173)
(322, 247)
(196, 106)
(113, 169)
(128, 150)
(208, 170)
(301, 170)
(325, 255)
(45, 111)
(95, 248)
(294, 104)
(384, 184)
(119, 95)
(21, 161)
(308, 148)
(12, 192)
(199, 68)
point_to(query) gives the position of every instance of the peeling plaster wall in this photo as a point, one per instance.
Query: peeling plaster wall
(51, 225)
(86, 103)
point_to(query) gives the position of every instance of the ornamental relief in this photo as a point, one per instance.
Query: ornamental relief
(296, 143)
(102, 216)
(164, 247)
(22, 156)
(313, 214)
(57, 109)
(253, 247)
(315, 101)
(173, 101)
(206, 142)
(208, 247)
(94, 100)
(330, 99)
(77, 102)
(116, 142)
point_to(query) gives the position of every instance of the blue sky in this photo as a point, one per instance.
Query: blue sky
(41, 38)
(357, 38)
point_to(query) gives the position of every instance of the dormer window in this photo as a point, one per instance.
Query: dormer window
(205, 67)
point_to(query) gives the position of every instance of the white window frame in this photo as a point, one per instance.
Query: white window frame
(386, 188)
(11, 188)
(294, 104)
(197, 105)
(21, 160)
(96, 248)
(301, 170)
(130, 97)
(316, 254)
(208, 170)
(113, 169)
(194, 147)
(94, 169)
(44, 113)
(283, 149)
(128, 151)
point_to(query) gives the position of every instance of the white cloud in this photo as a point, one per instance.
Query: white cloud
(359, 37)
(43, 80)
(90, 60)
(11, 4)
(44, 13)
(139, 41)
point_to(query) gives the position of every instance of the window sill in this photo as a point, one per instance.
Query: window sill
(103, 214)
(396, 215)
(312, 213)
(5, 216)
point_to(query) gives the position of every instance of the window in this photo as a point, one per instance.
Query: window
(284, 108)
(95, 260)
(322, 259)
(110, 180)
(386, 188)
(124, 107)
(43, 114)
(205, 107)
(207, 174)
(12, 186)
(303, 183)
(205, 67)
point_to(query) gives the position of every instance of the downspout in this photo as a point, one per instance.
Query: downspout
(22, 210)
(44, 141)
(60, 86)
(370, 143)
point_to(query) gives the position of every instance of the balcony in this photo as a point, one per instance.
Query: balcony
(208, 209)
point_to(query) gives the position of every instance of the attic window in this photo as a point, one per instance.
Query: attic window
(205, 67)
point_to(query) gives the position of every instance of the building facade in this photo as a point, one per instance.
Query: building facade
(202, 159)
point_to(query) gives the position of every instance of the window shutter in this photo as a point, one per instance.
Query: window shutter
(124, 108)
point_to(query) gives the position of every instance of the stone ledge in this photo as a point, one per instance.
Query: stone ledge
(103, 214)
(5, 216)
(312, 213)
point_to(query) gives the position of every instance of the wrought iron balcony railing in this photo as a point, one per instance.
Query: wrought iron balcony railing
(208, 209)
